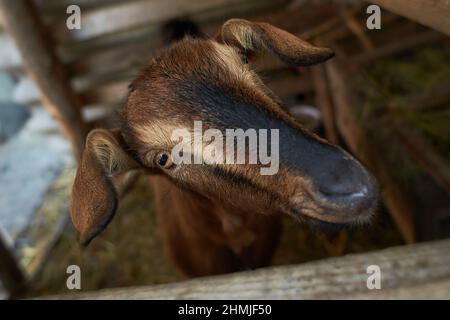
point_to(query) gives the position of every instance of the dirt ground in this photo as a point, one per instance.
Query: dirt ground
(130, 252)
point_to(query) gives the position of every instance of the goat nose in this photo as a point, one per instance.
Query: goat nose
(348, 185)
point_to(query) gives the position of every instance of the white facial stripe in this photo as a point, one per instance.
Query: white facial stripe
(156, 133)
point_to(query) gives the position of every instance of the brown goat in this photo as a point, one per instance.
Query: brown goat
(219, 218)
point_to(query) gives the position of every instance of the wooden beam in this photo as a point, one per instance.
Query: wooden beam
(323, 102)
(358, 29)
(127, 15)
(22, 22)
(136, 45)
(435, 14)
(413, 271)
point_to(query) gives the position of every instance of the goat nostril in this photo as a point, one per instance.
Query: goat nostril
(346, 193)
(342, 188)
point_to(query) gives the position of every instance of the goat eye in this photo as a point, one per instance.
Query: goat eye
(164, 160)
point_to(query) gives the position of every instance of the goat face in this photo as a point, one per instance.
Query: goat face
(210, 81)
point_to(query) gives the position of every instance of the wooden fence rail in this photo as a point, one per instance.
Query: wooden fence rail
(412, 271)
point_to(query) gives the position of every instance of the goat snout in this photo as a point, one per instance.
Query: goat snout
(348, 187)
(341, 190)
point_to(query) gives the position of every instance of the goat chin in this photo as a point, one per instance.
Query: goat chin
(332, 227)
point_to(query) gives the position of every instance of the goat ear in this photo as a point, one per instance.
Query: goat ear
(102, 175)
(253, 36)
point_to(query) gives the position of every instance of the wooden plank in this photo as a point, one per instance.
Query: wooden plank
(435, 15)
(366, 150)
(405, 272)
(114, 60)
(127, 15)
(150, 35)
(323, 101)
(147, 38)
(53, 9)
(358, 29)
(44, 67)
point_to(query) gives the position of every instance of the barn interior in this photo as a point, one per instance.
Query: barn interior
(385, 98)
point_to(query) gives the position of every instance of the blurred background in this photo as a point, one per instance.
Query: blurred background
(385, 98)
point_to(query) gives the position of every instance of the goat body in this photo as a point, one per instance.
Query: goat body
(204, 238)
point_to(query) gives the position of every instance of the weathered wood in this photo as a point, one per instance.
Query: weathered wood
(365, 149)
(52, 9)
(323, 101)
(127, 15)
(148, 37)
(435, 15)
(120, 51)
(355, 26)
(413, 271)
(44, 67)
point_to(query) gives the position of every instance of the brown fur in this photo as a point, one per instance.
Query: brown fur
(215, 218)
(203, 238)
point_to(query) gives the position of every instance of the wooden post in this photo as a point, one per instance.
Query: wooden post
(21, 20)
(355, 26)
(323, 101)
(435, 14)
(365, 149)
